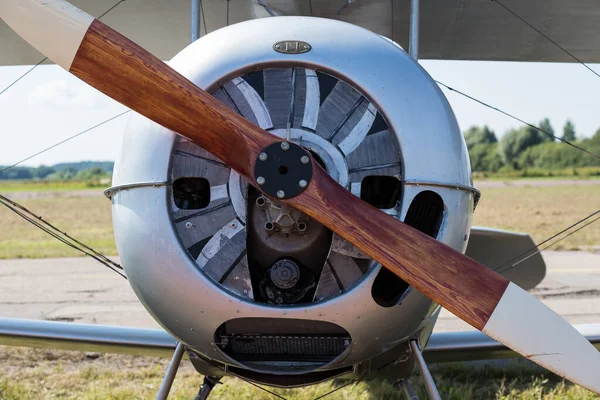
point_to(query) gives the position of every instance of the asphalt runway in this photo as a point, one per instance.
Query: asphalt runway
(82, 290)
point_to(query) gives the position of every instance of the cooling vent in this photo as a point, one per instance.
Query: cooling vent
(425, 214)
(284, 348)
(292, 341)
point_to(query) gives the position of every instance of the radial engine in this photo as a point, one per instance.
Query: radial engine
(257, 289)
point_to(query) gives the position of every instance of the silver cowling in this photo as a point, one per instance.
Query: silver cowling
(259, 289)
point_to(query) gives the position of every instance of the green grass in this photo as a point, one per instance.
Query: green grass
(50, 186)
(540, 211)
(538, 173)
(42, 374)
(88, 219)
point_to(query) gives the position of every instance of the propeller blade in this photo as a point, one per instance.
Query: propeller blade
(127, 73)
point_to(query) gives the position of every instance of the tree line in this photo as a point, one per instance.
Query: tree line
(80, 171)
(526, 147)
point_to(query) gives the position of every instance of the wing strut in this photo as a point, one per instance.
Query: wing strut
(413, 34)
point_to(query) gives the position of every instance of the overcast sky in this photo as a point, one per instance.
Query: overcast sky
(49, 105)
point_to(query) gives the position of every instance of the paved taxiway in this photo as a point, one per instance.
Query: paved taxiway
(82, 290)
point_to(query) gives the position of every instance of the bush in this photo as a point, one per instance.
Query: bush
(554, 155)
(516, 141)
(477, 135)
(485, 157)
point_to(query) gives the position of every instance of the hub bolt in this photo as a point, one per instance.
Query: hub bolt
(285, 146)
(305, 160)
(260, 180)
(261, 202)
(280, 194)
(263, 156)
(303, 184)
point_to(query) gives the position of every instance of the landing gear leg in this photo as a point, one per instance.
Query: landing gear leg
(209, 383)
(165, 387)
(408, 390)
(427, 378)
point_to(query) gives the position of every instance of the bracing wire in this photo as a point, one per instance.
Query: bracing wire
(564, 237)
(62, 141)
(527, 254)
(361, 378)
(38, 221)
(546, 37)
(536, 249)
(70, 241)
(23, 76)
(46, 58)
(265, 389)
(258, 386)
(517, 119)
(59, 235)
(203, 18)
(110, 9)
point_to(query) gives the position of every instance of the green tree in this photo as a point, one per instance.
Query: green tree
(43, 171)
(479, 135)
(485, 157)
(91, 174)
(64, 175)
(515, 141)
(569, 132)
(546, 126)
(17, 173)
(550, 156)
(593, 146)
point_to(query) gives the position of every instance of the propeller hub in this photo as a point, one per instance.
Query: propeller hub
(281, 170)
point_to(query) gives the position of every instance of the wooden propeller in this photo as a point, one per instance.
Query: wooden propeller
(127, 73)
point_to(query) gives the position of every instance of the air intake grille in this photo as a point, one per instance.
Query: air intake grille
(288, 348)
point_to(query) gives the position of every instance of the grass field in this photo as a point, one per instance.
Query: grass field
(538, 173)
(50, 186)
(40, 374)
(540, 211)
(86, 218)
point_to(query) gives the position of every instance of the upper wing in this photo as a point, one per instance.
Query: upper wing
(450, 29)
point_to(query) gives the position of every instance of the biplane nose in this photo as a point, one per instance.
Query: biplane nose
(55, 27)
(90, 49)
